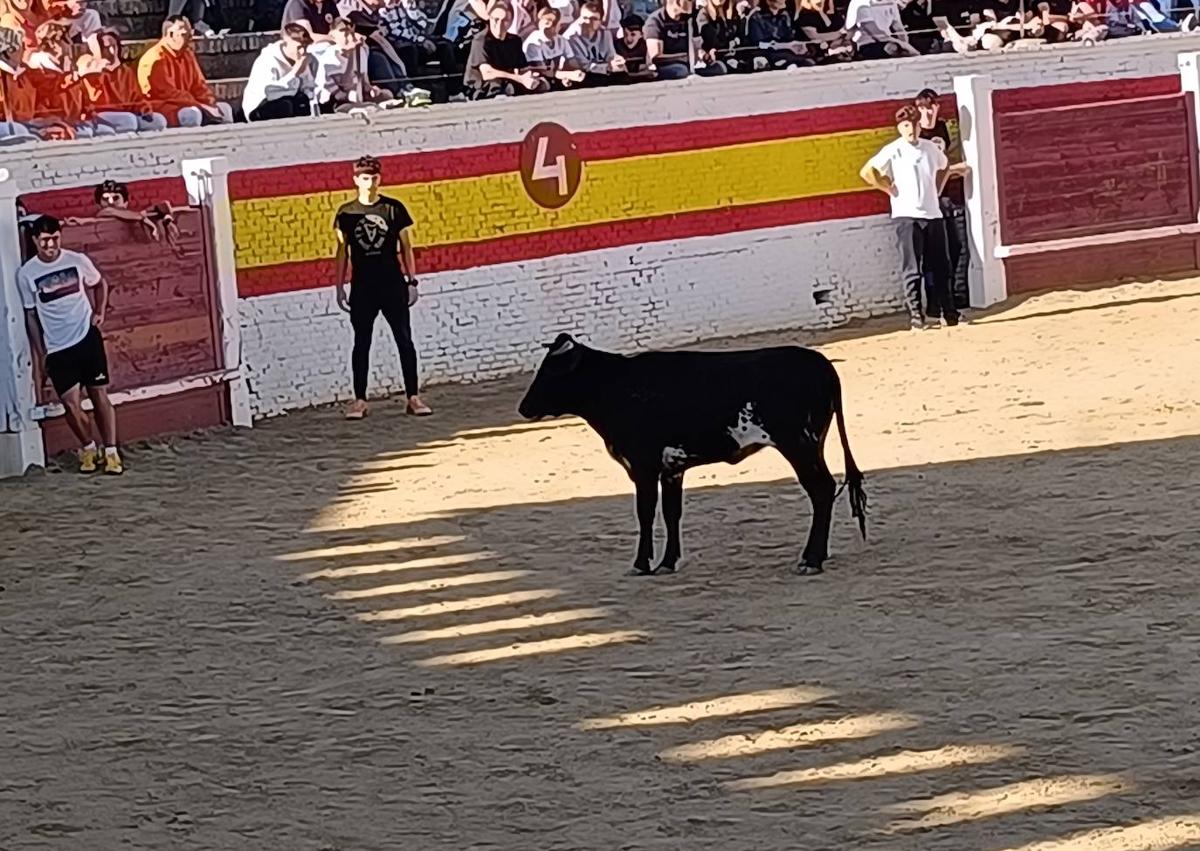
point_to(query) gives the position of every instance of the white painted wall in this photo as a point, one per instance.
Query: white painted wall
(488, 322)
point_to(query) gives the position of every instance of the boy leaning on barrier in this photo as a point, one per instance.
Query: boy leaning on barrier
(64, 334)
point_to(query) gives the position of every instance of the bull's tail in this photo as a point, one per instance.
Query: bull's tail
(854, 476)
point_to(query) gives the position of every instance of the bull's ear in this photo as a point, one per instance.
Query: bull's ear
(564, 355)
(562, 344)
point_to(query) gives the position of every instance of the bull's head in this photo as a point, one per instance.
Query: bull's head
(554, 389)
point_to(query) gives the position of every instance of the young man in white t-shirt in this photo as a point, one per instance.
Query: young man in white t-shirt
(64, 332)
(909, 170)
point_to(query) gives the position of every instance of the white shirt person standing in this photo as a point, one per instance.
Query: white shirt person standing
(909, 171)
(64, 332)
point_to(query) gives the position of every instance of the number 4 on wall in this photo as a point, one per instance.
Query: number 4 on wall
(550, 165)
(544, 171)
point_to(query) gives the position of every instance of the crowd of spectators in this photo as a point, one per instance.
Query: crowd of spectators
(476, 49)
(63, 75)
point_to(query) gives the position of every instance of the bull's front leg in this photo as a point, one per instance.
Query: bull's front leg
(646, 483)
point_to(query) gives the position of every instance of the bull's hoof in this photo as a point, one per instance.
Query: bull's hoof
(664, 569)
(808, 569)
(640, 570)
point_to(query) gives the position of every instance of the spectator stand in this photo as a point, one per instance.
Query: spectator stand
(253, 24)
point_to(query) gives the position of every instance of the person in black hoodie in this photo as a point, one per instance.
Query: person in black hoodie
(771, 30)
(720, 29)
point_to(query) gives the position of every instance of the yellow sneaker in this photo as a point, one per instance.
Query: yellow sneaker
(113, 465)
(87, 460)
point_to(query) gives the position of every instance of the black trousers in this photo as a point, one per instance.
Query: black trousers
(958, 247)
(365, 306)
(289, 107)
(923, 248)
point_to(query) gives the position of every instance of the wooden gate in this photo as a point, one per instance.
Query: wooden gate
(1074, 163)
(162, 329)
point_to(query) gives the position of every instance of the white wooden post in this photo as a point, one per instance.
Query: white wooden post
(21, 445)
(1189, 82)
(978, 133)
(208, 185)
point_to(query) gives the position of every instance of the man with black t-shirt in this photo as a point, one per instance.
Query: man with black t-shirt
(372, 234)
(497, 64)
(668, 36)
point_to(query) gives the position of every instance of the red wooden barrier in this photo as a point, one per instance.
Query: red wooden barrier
(162, 323)
(1086, 169)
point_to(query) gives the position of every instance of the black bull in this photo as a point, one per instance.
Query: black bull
(661, 413)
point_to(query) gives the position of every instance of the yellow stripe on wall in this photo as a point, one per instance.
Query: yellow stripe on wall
(300, 227)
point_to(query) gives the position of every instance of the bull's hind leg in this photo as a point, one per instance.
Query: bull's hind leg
(817, 481)
(672, 502)
(647, 505)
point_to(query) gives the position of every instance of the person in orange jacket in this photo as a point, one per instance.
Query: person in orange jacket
(170, 77)
(60, 95)
(111, 86)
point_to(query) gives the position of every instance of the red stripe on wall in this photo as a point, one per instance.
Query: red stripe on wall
(1073, 94)
(398, 170)
(596, 145)
(713, 133)
(312, 274)
(80, 201)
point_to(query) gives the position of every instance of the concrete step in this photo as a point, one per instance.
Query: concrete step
(139, 19)
(230, 56)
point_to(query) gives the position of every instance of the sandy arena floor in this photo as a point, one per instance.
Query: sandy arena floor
(417, 634)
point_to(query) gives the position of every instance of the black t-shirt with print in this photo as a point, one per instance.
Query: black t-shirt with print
(672, 32)
(939, 130)
(939, 134)
(372, 232)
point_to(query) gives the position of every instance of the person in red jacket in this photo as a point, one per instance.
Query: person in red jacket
(60, 95)
(18, 98)
(111, 86)
(170, 77)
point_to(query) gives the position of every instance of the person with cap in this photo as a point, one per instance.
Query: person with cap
(909, 171)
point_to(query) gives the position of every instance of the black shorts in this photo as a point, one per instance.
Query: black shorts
(84, 363)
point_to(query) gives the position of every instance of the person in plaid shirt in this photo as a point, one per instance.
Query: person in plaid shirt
(406, 26)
